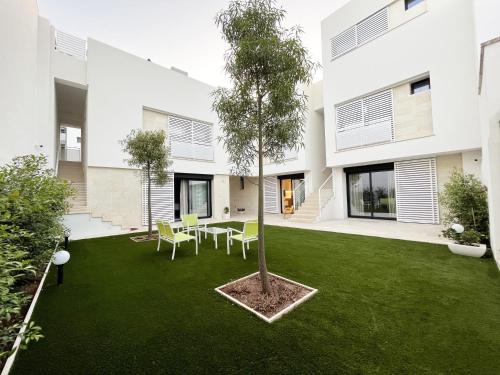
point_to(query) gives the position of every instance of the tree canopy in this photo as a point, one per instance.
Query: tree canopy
(267, 65)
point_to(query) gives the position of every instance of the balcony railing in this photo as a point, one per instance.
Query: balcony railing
(70, 154)
(70, 45)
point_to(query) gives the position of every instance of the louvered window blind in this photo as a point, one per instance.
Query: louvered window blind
(365, 121)
(417, 191)
(271, 195)
(356, 35)
(162, 200)
(190, 139)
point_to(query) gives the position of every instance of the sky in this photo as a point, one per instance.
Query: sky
(179, 33)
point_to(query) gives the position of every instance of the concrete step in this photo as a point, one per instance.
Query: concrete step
(83, 225)
(303, 210)
(79, 210)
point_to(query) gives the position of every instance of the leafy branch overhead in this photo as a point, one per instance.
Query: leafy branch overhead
(267, 64)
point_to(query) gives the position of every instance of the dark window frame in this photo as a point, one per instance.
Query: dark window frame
(425, 82)
(409, 4)
(178, 177)
(366, 169)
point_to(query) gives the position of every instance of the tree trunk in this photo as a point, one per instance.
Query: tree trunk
(150, 219)
(264, 277)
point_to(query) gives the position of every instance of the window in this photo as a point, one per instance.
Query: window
(412, 3)
(371, 191)
(362, 32)
(421, 86)
(190, 139)
(365, 121)
(192, 195)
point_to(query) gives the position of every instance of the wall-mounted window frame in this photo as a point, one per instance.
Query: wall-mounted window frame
(420, 86)
(409, 4)
(368, 172)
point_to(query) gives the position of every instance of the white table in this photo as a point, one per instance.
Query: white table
(214, 231)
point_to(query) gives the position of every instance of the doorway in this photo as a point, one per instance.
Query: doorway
(371, 192)
(289, 186)
(192, 195)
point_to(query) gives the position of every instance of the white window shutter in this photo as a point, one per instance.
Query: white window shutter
(162, 200)
(373, 26)
(365, 121)
(417, 191)
(271, 195)
(190, 139)
(343, 42)
(203, 141)
(349, 115)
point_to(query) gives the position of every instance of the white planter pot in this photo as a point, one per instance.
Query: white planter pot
(226, 216)
(476, 251)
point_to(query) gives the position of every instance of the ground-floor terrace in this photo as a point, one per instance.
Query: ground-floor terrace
(383, 306)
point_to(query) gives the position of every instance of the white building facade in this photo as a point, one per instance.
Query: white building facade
(74, 100)
(401, 105)
(398, 109)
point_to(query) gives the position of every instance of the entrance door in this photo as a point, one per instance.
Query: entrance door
(289, 185)
(371, 194)
(192, 196)
(287, 196)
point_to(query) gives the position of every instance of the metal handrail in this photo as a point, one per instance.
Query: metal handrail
(329, 178)
(56, 167)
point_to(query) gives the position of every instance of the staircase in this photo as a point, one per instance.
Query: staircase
(73, 173)
(310, 210)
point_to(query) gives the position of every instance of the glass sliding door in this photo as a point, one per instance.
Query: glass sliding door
(384, 195)
(192, 195)
(198, 197)
(371, 193)
(360, 202)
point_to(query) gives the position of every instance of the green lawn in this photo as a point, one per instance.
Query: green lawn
(383, 306)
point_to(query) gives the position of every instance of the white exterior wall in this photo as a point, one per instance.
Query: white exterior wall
(120, 86)
(490, 130)
(486, 14)
(26, 97)
(311, 157)
(434, 42)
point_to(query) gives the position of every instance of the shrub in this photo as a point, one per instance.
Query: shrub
(464, 200)
(32, 203)
(35, 201)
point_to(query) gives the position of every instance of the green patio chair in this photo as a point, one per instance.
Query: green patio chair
(190, 222)
(165, 233)
(250, 233)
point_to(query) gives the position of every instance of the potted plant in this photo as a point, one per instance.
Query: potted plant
(466, 242)
(464, 200)
(226, 213)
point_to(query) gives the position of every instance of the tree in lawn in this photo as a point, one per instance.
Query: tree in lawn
(263, 114)
(148, 151)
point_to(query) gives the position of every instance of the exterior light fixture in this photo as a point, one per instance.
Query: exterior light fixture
(458, 228)
(59, 259)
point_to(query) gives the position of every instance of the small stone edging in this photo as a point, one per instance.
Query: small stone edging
(10, 361)
(312, 292)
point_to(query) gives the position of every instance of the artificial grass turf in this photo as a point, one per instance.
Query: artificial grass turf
(383, 306)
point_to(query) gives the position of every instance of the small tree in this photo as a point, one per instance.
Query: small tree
(464, 200)
(263, 114)
(148, 151)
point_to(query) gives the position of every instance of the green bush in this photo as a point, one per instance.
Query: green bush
(32, 203)
(464, 200)
(35, 201)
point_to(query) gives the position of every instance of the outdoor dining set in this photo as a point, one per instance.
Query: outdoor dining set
(180, 231)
